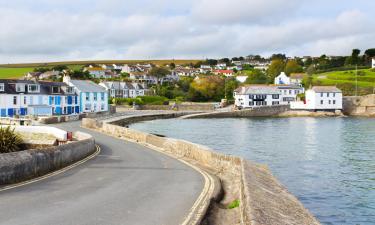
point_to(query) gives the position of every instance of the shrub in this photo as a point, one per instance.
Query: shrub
(234, 204)
(9, 140)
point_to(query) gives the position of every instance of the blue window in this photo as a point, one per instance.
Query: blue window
(70, 99)
(77, 109)
(10, 112)
(3, 112)
(23, 111)
(76, 99)
(69, 110)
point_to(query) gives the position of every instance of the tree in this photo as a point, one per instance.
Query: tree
(355, 56)
(256, 77)
(172, 66)
(159, 72)
(207, 89)
(9, 140)
(41, 69)
(278, 56)
(225, 60)
(277, 66)
(230, 85)
(292, 66)
(60, 68)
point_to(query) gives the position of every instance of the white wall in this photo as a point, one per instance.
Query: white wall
(58, 133)
(244, 101)
(373, 63)
(313, 101)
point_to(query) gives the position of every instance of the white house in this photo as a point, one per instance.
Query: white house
(282, 79)
(320, 98)
(241, 79)
(118, 89)
(373, 63)
(289, 93)
(96, 72)
(227, 73)
(256, 96)
(91, 97)
(296, 78)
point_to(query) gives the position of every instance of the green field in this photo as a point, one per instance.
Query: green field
(347, 80)
(9, 73)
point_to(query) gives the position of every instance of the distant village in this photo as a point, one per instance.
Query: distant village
(91, 90)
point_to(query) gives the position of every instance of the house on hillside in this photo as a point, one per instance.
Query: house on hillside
(296, 78)
(92, 97)
(282, 79)
(227, 73)
(96, 72)
(118, 89)
(373, 63)
(241, 79)
(256, 96)
(320, 98)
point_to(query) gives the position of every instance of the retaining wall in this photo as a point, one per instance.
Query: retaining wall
(359, 105)
(181, 107)
(263, 199)
(24, 165)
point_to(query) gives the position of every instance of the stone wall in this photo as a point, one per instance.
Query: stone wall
(24, 165)
(359, 105)
(255, 112)
(263, 200)
(181, 107)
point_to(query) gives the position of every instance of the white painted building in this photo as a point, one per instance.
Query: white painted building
(118, 89)
(320, 98)
(256, 96)
(373, 63)
(289, 93)
(92, 97)
(296, 78)
(241, 79)
(282, 79)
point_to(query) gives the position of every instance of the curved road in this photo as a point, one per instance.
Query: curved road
(126, 184)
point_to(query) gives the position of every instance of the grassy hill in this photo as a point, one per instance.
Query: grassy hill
(346, 80)
(18, 70)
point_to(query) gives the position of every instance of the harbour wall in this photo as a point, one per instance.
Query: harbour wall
(359, 105)
(263, 199)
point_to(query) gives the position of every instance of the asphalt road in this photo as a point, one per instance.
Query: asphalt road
(126, 184)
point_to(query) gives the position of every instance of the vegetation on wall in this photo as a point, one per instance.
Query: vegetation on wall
(9, 140)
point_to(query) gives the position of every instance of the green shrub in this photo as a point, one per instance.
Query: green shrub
(234, 204)
(9, 140)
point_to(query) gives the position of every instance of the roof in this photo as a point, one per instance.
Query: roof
(224, 71)
(257, 89)
(286, 86)
(95, 69)
(87, 86)
(320, 89)
(45, 87)
(297, 75)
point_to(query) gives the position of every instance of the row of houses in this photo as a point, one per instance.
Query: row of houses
(45, 98)
(327, 98)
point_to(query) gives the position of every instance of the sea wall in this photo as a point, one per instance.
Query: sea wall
(263, 200)
(359, 105)
(181, 107)
(264, 111)
(24, 165)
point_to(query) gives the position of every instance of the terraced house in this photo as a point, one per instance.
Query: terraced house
(23, 97)
(117, 89)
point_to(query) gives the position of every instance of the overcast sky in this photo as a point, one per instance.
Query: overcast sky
(53, 30)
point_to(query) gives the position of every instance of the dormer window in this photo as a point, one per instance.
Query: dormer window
(70, 90)
(2, 88)
(55, 89)
(20, 87)
(33, 88)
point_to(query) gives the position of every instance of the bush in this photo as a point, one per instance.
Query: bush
(234, 204)
(9, 140)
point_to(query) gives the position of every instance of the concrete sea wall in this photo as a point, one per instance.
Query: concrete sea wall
(20, 166)
(263, 199)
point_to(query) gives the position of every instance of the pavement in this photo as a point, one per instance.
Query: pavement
(125, 184)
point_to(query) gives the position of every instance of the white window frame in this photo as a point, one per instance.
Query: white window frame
(2, 87)
(33, 91)
(21, 87)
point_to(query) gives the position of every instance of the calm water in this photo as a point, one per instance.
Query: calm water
(329, 164)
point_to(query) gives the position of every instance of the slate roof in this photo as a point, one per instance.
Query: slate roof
(87, 86)
(45, 87)
(257, 89)
(320, 89)
(297, 75)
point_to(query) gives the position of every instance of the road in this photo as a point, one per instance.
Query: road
(126, 184)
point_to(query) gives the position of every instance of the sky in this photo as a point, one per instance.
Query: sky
(57, 30)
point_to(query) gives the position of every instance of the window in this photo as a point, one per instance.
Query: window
(102, 96)
(24, 100)
(102, 107)
(14, 100)
(321, 102)
(290, 92)
(327, 94)
(251, 103)
(95, 96)
(87, 96)
(55, 89)
(69, 90)
(334, 102)
(275, 103)
(275, 96)
(321, 95)
(20, 87)
(2, 87)
(52, 100)
(33, 88)
(334, 94)
(329, 101)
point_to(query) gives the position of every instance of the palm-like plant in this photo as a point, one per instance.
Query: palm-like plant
(9, 140)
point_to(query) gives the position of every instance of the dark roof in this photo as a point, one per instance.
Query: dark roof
(45, 87)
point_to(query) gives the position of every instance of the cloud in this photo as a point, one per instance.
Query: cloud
(166, 29)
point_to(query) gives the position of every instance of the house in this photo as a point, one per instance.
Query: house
(108, 67)
(373, 63)
(142, 77)
(24, 97)
(221, 66)
(241, 79)
(296, 78)
(320, 98)
(96, 72)
(186, 72)
(32, 76)
(118, 89)
(289, 93)
(256, 96)
(282, 79)
(227, 73)
(91, 97)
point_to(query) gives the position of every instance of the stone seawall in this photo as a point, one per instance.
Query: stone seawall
(182, 107)
(263, 200)
(255, 112)
(359, 105)
(24, 165)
